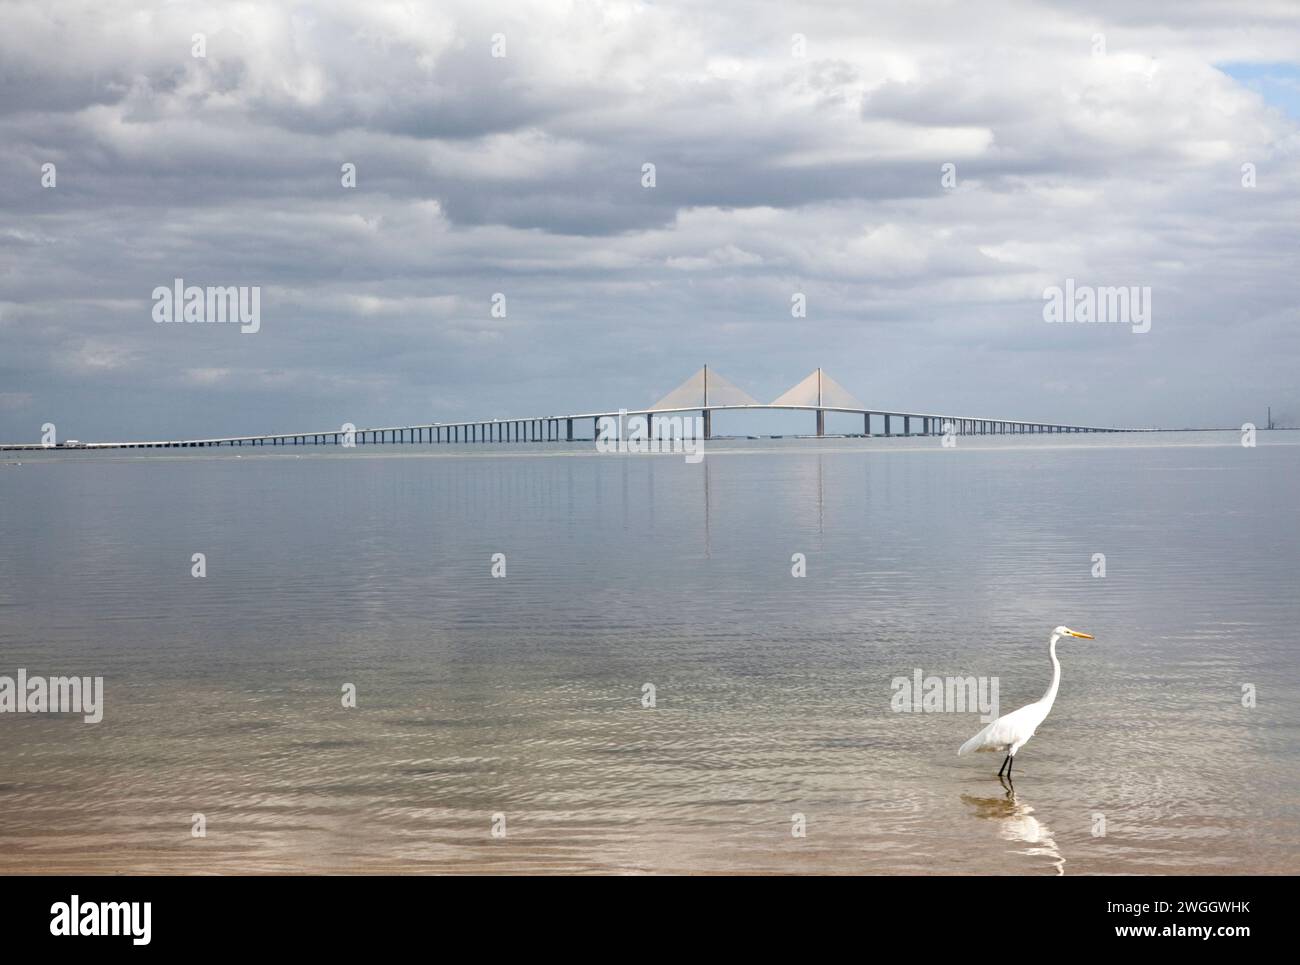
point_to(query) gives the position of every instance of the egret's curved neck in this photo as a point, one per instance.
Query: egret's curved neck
(1050, 696)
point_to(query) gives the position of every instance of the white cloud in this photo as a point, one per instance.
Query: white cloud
(521, 175)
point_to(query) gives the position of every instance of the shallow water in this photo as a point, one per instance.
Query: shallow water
(522, 696)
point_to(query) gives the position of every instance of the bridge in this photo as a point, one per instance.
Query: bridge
(704, 393)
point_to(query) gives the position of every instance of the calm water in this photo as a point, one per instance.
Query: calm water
(522, 696)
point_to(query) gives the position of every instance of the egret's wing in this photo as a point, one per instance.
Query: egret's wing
(980, 741)
(1003, 732)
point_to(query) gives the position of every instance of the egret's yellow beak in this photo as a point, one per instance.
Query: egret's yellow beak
(1081, 636)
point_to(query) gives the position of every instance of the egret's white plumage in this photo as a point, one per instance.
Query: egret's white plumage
(1010, 732)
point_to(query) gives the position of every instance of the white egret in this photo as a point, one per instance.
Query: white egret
(1011, 731)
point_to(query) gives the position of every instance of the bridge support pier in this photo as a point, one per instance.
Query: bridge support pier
(888, 430)
(708, 423)
(821, 422)
(569, 430)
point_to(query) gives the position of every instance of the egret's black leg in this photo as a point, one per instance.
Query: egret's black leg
(1004, 765)
(1011, 762)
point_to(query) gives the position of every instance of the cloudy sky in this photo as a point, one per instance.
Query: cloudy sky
(798, 148)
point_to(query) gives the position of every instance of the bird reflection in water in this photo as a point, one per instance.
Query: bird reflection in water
(1017, 823)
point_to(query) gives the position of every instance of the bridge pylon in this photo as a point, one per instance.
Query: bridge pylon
(817, 390)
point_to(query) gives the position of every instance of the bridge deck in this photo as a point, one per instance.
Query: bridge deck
(548, 428)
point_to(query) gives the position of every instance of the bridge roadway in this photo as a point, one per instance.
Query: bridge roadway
(560, 428)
